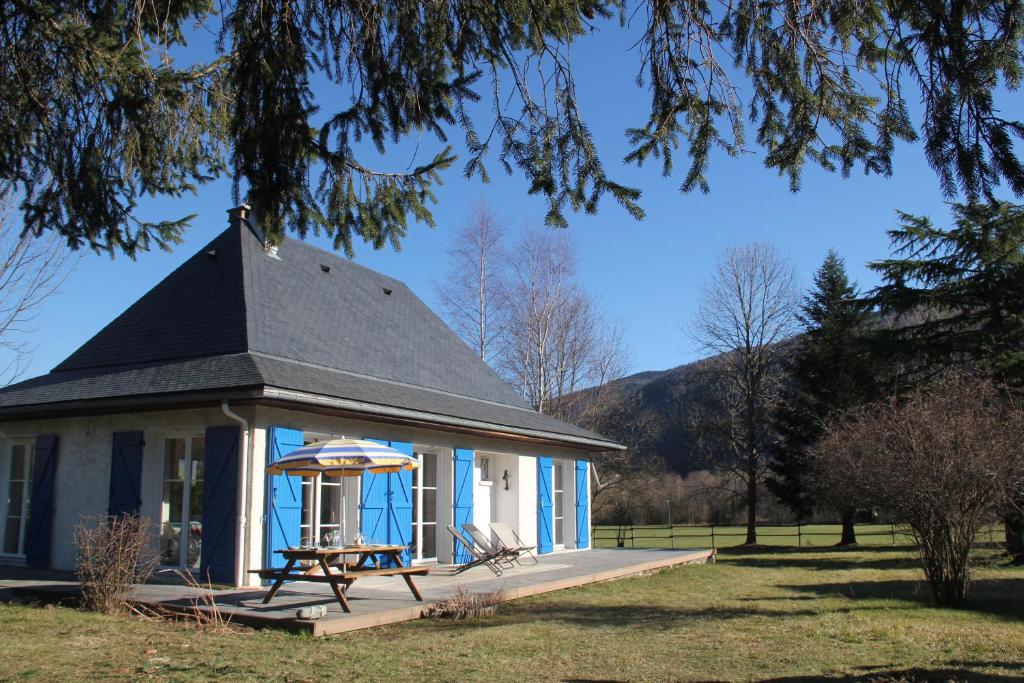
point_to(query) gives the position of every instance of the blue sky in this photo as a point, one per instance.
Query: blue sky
(646, 274)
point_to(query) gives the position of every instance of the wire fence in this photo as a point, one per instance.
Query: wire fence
(797, 535)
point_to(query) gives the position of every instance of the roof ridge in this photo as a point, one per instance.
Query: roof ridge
(351, 373)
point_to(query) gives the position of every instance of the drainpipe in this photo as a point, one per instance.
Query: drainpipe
(243, 480)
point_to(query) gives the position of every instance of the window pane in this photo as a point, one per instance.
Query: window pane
(558, 477)
(559, 504)
(330, 505)
(195, 527)
(17, 462)
(12, 529)
(429, 505)
(14, 501)
(428, 470)
(558, 531)
(429, 541)
(307, 509)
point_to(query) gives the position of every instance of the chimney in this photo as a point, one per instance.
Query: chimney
(239, 216)
(247, 216)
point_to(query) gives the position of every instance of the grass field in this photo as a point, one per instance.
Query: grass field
(784, 615)
(810, 535)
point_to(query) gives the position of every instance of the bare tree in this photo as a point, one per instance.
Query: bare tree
(611, 410)
(31, 270)
(558, 341)
(946, 459)
(472, 296)
(747, 310)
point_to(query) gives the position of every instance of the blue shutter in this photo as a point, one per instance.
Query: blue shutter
(462, 500)
(40, 513)
(545, 518)
(373, 505)
(126, 474)
(284, 497)
(582, 504)
(220, 504)
(400, 506)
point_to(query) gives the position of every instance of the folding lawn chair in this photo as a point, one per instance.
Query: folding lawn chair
(510, 540)
(503, 554)
(479, 557)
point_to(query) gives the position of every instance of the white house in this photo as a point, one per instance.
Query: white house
(240, 355)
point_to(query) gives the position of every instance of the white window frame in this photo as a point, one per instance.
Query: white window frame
(311, 526)
(186, 495)
(26, 495)
(417, 489)
(557, 511)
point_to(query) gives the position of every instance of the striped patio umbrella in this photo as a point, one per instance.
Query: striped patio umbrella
(342, 458)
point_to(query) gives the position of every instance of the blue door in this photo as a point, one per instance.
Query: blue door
(385, 506)
(462, 506)
(545, 508)
(284, 497)
(582, 504)
(125, 474)
(400, 506)
(373, 505)
(220, 504)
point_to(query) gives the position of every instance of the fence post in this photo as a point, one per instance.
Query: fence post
(672, 535)
(892, 531)
(632, 536)
(799, 536)
(712, 536)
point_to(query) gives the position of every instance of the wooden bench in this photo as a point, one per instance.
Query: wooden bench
(339, 575)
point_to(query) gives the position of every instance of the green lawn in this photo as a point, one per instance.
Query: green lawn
(811, 535)
(785, 615)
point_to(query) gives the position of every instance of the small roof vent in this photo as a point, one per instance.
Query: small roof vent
(387, 291)
(324, 267)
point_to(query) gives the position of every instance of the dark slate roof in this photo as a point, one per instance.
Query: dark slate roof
(233, 317)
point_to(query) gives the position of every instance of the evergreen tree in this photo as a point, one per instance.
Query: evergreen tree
(828, 373)
(101, 105)
(955, 297)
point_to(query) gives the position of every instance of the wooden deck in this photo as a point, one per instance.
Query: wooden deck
(376, 601)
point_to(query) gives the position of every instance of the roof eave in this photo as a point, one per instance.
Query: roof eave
(121, 404)
(281, 396)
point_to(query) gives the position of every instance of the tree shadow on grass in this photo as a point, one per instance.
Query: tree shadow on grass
(998, 597)
(953, 671)
(652, 617)
(829, 558)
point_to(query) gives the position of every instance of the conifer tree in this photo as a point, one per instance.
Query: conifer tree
(955, 297)
(828, 373)
(305, 104)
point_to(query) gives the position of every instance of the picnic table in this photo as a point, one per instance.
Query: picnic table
(338, 573)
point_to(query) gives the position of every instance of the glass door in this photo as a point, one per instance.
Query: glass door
(19, 486)
(559, 504)
(181, 510)
(322, 513)
(424, 508)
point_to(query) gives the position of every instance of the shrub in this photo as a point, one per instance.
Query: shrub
(462, 604)
(112, 554)
(946, 459)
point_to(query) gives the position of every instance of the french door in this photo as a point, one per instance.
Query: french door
(424, 508)
(559, 503)
(322, 508)
(181, 509)
(17, 477)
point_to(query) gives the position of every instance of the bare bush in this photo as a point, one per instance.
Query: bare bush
(112, 555)
(944, 459)
(463, 604)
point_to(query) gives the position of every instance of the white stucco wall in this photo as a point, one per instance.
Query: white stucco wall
(84, 455)
(82, 482)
